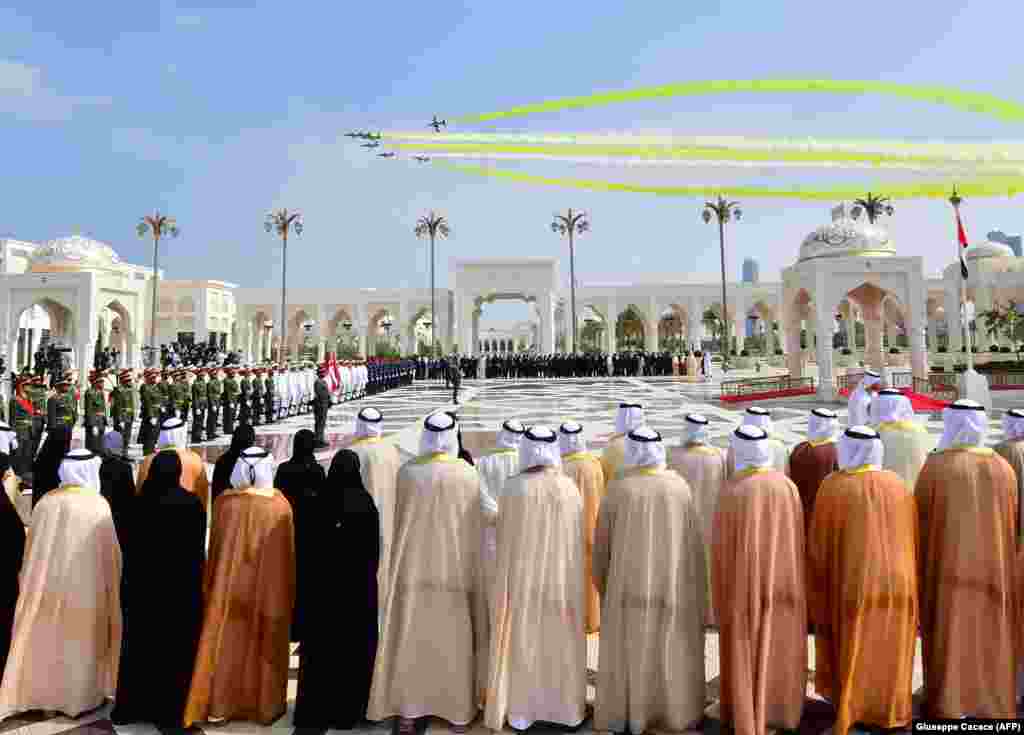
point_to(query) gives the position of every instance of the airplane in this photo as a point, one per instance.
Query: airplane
(353, 135)
(390, 154)
(421, 159)
(371, 136)
(437, 124)
(373, 144)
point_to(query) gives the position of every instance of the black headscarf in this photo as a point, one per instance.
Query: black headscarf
(164, 474)
(463, 454)
(243, 437)
(45, 468)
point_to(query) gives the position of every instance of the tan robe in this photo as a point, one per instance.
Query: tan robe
(66, 641)
(649, 564)
(704, 469)
(425, 660)
(967, 513)
(862, 595)
(613, 457)
(907, 445)
(193, 474)
(809, 464)
(758, 580)
(1013, 452)
(584, 469)
(241, 669)
(538, 655)
(379, 463)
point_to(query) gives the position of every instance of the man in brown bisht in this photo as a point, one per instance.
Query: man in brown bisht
(907, 443)
(1012, 450)
(66, 638)
(649, 565)
(815, 459)
(174, 437)
(862, 587)
(538, 656)
(584, 469)
(378, 465)
(241, 670)
(758, 582)
(703, 466)
(629, 417)
(426, 663)
(967, 511)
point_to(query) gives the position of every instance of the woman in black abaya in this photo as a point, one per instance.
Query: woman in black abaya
(301, 480)
(12, 552)
(344, 535)
(163, 602)
(242, 438)
(45, 466)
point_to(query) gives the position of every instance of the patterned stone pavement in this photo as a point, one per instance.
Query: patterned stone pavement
(483, 406)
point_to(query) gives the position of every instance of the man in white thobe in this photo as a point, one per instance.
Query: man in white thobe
(379, 463)
(538, 653)
(859, 405)
(650, 567)
(629, 417)
(906, 442)
(706, 359)
(66, 642)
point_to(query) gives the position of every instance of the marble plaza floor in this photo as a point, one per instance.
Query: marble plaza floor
(483, 406)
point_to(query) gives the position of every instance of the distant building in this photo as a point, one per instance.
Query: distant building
(1011, 241)
(752, 271)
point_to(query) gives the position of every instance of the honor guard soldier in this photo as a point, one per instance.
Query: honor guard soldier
(21, 413)
(180, 396)
(256, 396)
(229, 400)
(37, 395)
(244, 397)
(149, 400)
(123, 406)
(61, 409)
(95, 415)
(200, 401)
(321, 405)
(268, 395)
(163, 385)
(214, 390)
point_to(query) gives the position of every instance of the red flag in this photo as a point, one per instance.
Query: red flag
(961, 237)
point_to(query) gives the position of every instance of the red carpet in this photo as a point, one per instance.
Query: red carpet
(920, 402)
(768, 395)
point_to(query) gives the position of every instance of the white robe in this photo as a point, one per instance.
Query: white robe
(859, 407)
(66, 642)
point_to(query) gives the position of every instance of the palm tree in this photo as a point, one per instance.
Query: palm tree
(724, 211)
(874, 207)
(433, 226)
(711, 322)
(156, 225)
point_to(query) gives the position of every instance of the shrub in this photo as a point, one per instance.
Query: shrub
(846, 351)
(943, 350)
(974, 349)
(993, 348)
(744, 353)
(778, 351)
(1005, 351)
(894, 350)
(732, 352)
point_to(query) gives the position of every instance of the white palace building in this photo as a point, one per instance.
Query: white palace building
(78, 292)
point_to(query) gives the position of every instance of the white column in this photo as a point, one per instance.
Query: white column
(611, 319)
(651, 335)
(952, 306)
(740, 332)
(546, 306)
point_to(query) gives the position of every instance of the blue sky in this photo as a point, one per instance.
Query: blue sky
(218, 112)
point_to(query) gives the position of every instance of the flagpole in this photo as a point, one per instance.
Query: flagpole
(956, 200)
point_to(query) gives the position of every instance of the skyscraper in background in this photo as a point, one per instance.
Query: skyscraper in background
(752, 271)
(1013, 241)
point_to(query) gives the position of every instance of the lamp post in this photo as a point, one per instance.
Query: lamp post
(269, 327)
(386, 322)
(724, 211)
(281, 222)
(433, 226)
(571, 224)
(347, 326)
(156, 225)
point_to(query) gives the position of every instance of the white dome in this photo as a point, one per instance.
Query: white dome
(74, 253)
(989, 249)
(846, 237)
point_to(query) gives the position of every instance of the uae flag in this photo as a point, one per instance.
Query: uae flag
(961, 237)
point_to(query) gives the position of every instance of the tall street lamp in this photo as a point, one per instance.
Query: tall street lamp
(281, 222)
(571, 224)
(433, 226)
(724, 211)
(156, 225)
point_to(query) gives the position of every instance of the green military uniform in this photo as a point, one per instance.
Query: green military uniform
(244, 397)
(149, 397)
(229, 397)
(268, 397)
(166, 399)
(199, 406)
(37, 395)
(62, 409)
(94, 418)
(180, 397)
(21, 422)
(213, 395)
(257, 399)
(123, 409)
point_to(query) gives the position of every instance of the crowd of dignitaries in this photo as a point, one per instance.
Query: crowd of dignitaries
(470, 585)
(516, 365)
